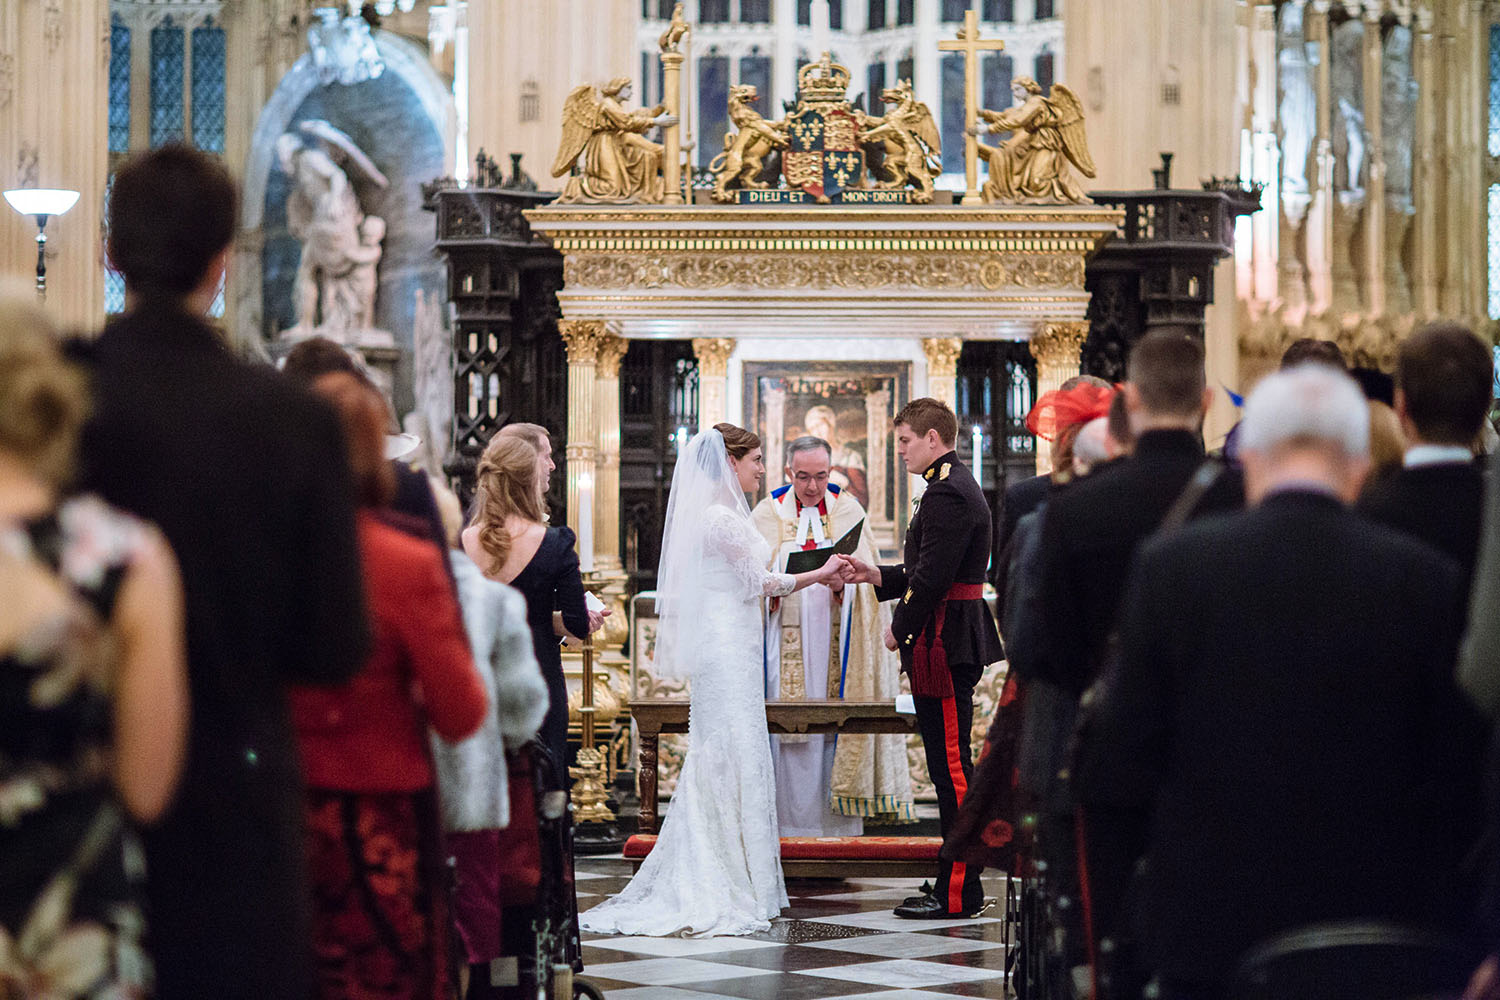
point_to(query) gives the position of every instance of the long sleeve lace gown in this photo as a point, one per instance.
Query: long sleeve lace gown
(716, 868)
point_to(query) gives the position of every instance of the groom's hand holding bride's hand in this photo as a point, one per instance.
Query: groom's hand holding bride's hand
(856, 571)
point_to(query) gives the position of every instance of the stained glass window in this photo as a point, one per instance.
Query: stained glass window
(755, 11)
(713, 99)
(999, 10)
(874, 84)
(119, 88)
(208, 89)
(836, 14)
(953, 10)
(166, 83)
(1044, 10)
(1495, 90)
(1494, 234)
(876, 14)
(906, 11)
(953, 112)
(755, 71)
(114, 283)
(996, 71)
(1044, 64)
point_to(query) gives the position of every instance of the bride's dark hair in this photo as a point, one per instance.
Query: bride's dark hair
(738, 441)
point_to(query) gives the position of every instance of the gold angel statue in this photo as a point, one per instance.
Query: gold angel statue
(913, 147)
(616, 162)
(743, 159)
(1032, 166)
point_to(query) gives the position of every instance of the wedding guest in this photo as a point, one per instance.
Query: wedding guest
(247, 478)
(93, 688)
(510, 541)
(317, 356)
(380, 915)
(536, 436)
(472, 775)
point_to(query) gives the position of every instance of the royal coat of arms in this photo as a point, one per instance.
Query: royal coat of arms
(823, 154)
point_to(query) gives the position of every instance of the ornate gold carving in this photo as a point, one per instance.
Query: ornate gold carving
(611, 352)
(671, 39)
(741, 163)
(713, 355)
(582, 338)
(1059, 343)
(825, 270)
(1047, 136)
(913, 147)
(793, 241)
(942, 356)
(617, 164)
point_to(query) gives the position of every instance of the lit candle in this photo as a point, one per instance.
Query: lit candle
(680, 437)
(976, 437)
(586, 523)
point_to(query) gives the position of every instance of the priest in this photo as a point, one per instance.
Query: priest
(825, 643)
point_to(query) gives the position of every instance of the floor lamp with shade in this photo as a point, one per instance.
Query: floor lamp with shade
(41, 203)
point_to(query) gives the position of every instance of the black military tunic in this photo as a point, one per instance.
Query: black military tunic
(946, 636)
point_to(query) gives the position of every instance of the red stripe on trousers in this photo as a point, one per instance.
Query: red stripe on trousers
(960, 788)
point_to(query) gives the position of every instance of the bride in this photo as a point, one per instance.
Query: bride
(716, 868)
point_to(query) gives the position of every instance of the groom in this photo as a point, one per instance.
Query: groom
(941, 626)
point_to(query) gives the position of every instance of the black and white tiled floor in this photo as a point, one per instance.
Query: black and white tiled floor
(836, 939)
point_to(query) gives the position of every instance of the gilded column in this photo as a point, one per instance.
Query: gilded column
(607, 456)
(713, 378)
(1424, 177)
(1374, 82)
(942, 367)
(582, 338)
(671, 76)
(1058, 349)
(1320, 212)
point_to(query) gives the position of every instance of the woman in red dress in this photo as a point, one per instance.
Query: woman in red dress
(380, 917)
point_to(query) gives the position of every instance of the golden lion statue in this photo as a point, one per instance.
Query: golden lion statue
(913, 148)
(743, 159)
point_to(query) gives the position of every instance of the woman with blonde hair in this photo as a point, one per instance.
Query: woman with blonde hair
(93, 691)
(508, 538)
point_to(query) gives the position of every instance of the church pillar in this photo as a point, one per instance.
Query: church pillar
(713, 379)
(1475, 203)
(582, 338)
(1057, 348)
(1374, 235)
(1320, 212)
(54, 132)
(942, 368)
(607, 456)
(1450, 182)
(1424, 177)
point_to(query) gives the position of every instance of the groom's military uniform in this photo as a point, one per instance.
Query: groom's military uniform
(946, 637)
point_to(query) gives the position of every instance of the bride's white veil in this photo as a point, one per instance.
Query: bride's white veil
(703, 479)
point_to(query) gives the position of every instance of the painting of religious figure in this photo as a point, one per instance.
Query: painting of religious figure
(848, 404)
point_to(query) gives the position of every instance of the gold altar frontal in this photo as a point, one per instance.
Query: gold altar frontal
(846, 282)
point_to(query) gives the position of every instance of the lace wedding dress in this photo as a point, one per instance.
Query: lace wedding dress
(716, 868)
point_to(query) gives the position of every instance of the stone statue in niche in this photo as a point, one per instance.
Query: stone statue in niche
(616, 162)
(1033, 165)
(334, 289)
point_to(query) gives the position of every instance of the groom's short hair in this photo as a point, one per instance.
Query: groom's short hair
(928, 414)
(171, 212)
(807, 442)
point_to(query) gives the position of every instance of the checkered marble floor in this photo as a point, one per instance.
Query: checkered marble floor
(836, 939)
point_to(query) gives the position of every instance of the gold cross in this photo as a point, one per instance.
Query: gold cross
(969, 44)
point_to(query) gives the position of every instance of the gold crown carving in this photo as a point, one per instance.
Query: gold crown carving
(824, 80)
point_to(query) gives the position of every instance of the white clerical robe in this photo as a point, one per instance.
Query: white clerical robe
(819, 648)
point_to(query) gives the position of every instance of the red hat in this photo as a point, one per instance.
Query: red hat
(1061, 408)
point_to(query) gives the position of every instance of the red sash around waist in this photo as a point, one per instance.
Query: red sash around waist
(930, 677)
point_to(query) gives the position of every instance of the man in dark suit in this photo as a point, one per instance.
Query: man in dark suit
(1091, 529)
(941, 626)
(1444, 386)
(1283, 735)
(248, 479)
